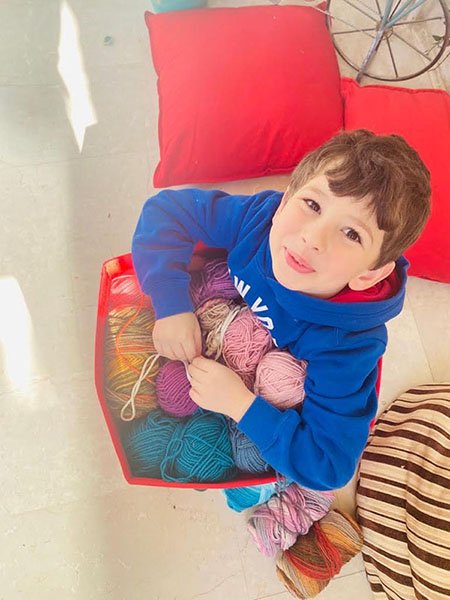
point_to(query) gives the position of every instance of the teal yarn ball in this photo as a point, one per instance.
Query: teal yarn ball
(199, 450)
(240, 499)
(146, 441)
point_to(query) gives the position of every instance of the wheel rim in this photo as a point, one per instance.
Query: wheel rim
(444, 17)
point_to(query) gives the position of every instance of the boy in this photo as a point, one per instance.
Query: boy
(321, 266)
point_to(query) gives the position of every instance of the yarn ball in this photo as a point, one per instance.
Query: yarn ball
(128, 344)
(213, 281)
(309, 565)
(199, 450)
(280, 379)
(214, 316)
(276, 525)
(194, 448)
(241, 498)
(172, 390)
(245, 453)
(245, 342)
(146, 441)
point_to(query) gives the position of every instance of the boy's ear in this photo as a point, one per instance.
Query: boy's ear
(371, 277)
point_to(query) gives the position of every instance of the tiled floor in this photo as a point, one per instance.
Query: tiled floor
(70, 525)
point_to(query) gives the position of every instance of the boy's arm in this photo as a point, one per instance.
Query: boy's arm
(319, 445)
(171, 223)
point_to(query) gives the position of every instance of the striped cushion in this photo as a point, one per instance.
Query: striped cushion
(403, 497)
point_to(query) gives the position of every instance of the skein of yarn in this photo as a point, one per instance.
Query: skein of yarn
(195, 448)
(213, 281)
(280, 379)
(146, 441)
(276, 524)
(245, 342)
(309, 565)
(128, 345)
(240, 499)
(199, 450)
(172, 390)
(214, 317)
(245, 453)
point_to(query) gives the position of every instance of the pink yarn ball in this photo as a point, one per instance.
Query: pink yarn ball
(280, 379)
(245, 342)
(277, 523)
(213, 281)
(172, 390)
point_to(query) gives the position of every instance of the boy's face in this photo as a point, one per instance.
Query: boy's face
(320, 242)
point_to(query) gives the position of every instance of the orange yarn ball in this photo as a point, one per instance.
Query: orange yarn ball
(128, 344)
(315, 558)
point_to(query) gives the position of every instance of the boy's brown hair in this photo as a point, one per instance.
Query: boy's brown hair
(382, 168)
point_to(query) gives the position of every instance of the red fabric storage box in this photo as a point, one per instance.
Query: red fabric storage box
(119, 287)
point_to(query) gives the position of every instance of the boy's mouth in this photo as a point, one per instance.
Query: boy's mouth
(297, 263)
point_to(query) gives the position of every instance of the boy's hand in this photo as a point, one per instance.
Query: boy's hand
(178, 337)
(218, 388)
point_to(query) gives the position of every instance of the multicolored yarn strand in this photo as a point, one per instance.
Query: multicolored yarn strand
(245, 453)
(172, 390)
(130, 362)
(280, 379)
(213, 281)
(194, 449)
(309, 565)
(276, 524)
(245, 342)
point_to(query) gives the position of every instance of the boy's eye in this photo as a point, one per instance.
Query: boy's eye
(312, 204)
(352, 235)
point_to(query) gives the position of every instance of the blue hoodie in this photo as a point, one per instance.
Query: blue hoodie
(319, 444)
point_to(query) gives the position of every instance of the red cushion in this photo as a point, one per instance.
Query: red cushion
(422, 117)
(243, 92)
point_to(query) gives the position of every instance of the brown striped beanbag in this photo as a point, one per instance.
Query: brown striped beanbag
(403, 497)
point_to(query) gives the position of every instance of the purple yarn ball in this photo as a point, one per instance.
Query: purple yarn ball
(213, 281)
(172, 390)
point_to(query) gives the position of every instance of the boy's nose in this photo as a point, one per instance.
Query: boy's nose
(314, 237)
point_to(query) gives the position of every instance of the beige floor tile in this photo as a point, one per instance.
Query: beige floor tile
(33, 61)
(259, 570)
(405, 363)
(35, 127)
(139, 543)
(345, 498)
(430, 304)
(352, 587)
(62, 225)
(57, 446)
